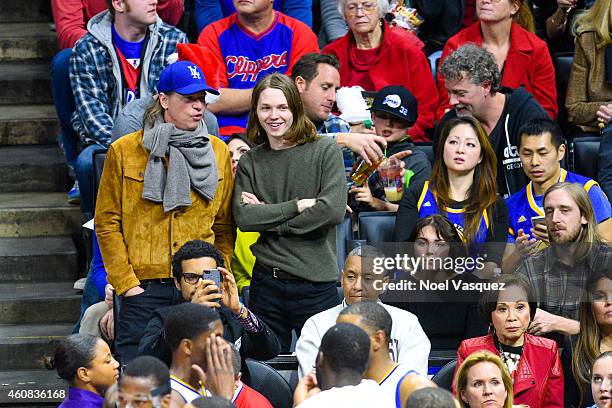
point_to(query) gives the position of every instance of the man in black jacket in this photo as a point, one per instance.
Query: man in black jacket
(472, 79)
(251, 336)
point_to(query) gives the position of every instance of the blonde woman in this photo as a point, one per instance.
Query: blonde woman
(483, 380)
(589, 91)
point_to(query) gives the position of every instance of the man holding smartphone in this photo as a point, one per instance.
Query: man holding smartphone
(193, 266)
(541, 150)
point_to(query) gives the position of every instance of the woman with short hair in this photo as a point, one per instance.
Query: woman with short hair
(374, 55)
(533, 362)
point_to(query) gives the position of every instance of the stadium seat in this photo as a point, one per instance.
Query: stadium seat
(426, 148)
(563, 68)
(344, 234)
(444, 377)
(98, 166)
(270, 383)
(377, 226)
(583, 154)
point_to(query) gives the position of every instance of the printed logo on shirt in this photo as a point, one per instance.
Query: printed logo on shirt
(193, 70)
(459, 229)
(511, 158)
(134, 62)
(427, 204)
(393, 101)
(250, 70)
(130, 95)
(522, 218)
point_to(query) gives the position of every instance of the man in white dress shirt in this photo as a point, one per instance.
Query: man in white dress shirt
(408, 344)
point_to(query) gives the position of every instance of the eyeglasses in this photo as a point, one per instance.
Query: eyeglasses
(368, 8)
(191, 278)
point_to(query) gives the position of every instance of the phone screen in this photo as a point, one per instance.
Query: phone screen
(540, 219)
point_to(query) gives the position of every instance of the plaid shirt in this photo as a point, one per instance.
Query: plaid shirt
(95, 75)
(335, 124)
(558, 287)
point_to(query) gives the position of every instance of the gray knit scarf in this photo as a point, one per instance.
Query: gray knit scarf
(191, 164)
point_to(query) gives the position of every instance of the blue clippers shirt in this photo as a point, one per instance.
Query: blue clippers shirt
(427, 205)
(524, 205)
(245, 57)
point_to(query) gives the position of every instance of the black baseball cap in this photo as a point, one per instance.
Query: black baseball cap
(397, 101)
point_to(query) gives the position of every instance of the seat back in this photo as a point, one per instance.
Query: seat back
(344, 234)
(444, 377)
(270, 383)
(98, 167)
(377, 226)
(583, 156)
(563, 68)
(426, 148)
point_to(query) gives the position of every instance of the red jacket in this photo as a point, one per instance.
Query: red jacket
(528, 63)
(71, 16)
(400, 62)
(538, 381)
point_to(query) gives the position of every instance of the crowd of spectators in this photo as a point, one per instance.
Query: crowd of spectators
(229, 166)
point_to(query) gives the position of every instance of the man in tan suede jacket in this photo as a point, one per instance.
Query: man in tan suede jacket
(161, 187)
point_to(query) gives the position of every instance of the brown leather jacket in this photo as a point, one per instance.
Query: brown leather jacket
(137, 239)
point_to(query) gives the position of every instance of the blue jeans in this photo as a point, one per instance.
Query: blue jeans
(605, 163)
(64, 103)
(84, 171)
(90, 297)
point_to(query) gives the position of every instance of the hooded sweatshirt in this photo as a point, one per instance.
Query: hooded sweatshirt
(96, 78)
(520, 107)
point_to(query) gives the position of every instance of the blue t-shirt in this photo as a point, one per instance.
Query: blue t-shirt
(524, 205)
(129, 54)
(427, 205)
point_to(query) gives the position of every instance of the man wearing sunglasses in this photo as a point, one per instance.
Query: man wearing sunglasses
(251, 336)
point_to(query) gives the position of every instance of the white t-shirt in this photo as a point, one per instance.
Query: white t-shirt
(389, 383)
(408, 346)
(186, 391)
(366, 394)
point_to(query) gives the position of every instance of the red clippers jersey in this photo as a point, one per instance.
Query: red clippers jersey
(245, 57)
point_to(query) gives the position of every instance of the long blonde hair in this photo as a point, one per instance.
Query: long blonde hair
(599, 16)
(587, 345)
(479, 357)
(588, 237)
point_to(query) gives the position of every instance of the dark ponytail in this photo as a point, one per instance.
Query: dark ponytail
(75, 351)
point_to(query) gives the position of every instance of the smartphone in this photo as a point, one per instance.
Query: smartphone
(539, 219)
(213, 275)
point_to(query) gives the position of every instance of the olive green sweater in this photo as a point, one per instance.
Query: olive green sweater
(303, 244)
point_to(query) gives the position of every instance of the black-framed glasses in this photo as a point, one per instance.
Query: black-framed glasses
(191, 278)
